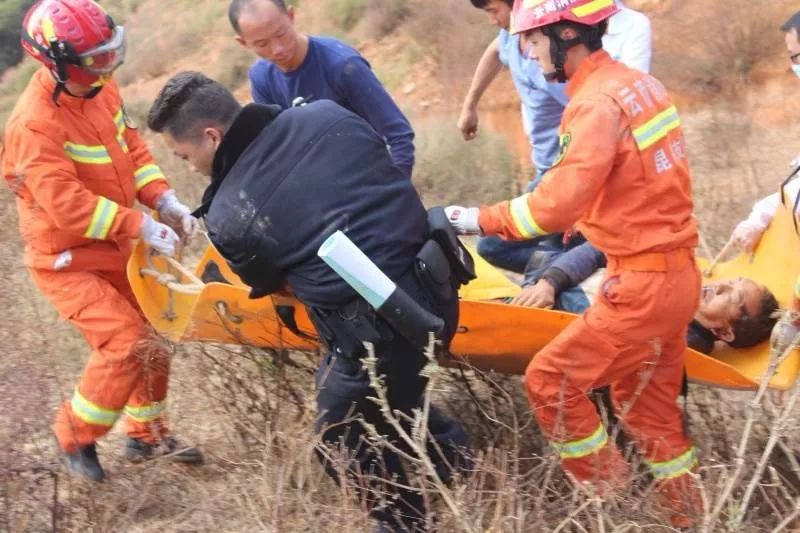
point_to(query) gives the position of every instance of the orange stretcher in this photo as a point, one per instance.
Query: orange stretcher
(491, 336)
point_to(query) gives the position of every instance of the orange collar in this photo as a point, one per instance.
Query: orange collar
(585, 69)
(48, 83)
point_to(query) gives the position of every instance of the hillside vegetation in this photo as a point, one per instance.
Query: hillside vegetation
(11, 12)
(251, 411)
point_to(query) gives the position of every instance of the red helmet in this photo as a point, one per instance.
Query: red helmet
(530, 14)
(75, 39)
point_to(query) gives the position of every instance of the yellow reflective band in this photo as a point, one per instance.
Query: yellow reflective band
(581, 448)
(48, 29)
(103, 217)
(673, 468)
(592, 7)
(91, 155)
(146, 413)
(91, 412)
(32, 22)
(523, 219)
(657, 128)
(147, 174)
(119, 122)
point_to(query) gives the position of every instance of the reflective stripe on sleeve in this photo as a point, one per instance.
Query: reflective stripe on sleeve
(657, 128)
(102, 218)
(523, 218)
(147, 174)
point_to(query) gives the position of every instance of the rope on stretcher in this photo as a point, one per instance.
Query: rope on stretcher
(195, 287)
(170, 280)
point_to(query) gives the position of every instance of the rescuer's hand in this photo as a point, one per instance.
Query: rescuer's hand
(541, 295)
(159, 236)
(176, 215)
(463, 219)
(746, 235)
(785, 331)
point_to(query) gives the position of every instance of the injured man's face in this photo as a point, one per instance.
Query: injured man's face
(737, 311)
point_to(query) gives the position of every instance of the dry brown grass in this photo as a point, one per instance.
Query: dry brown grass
(252, 417)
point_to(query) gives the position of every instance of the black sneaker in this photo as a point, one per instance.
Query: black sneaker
(84, 463)
(137, 450)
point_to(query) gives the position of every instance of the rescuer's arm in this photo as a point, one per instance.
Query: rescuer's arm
(572, 184)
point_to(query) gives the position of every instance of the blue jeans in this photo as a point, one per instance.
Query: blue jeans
(514, 255)
(572, 299)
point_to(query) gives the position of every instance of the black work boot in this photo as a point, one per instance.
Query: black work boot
(84, 463)
(169, 448)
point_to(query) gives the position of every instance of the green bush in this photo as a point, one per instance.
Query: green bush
(11, 14)
(451, 170)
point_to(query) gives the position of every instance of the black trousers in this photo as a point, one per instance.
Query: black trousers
(343, 390)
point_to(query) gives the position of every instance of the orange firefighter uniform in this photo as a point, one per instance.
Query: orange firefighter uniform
(76, 168)
(622, 178)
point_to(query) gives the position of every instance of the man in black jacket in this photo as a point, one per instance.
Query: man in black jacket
(281, 183)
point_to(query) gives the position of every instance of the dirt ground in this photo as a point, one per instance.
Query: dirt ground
(41, 357)
(253, 420)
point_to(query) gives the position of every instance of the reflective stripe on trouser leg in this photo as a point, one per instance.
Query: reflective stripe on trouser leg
(92, 413)
(683, 464)
(610, 343)
(146, 406)
(146, 413)
(575, 449)
(98, 306)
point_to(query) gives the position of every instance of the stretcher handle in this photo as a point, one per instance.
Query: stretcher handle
(168, 280)
(224, 312)
(707, 272)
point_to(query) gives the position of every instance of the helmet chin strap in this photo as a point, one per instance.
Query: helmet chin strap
(61, 87)
(559, 47)
(62, 55)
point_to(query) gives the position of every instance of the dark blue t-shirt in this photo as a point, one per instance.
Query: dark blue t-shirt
(334, 71)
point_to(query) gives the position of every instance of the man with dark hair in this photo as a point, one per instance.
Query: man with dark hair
(295, 65)
(792, 25)
(237, 6)
(754, 322)
(737, 312)
(628, 39)
(748, 232)
(282, 182)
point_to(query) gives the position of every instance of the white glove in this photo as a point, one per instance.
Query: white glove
(746, 235)
(463, 219)
(785, 331)
(176, 214)
(748, 232)
(159, 236)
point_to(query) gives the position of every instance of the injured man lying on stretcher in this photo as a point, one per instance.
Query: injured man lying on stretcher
(735, 311)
